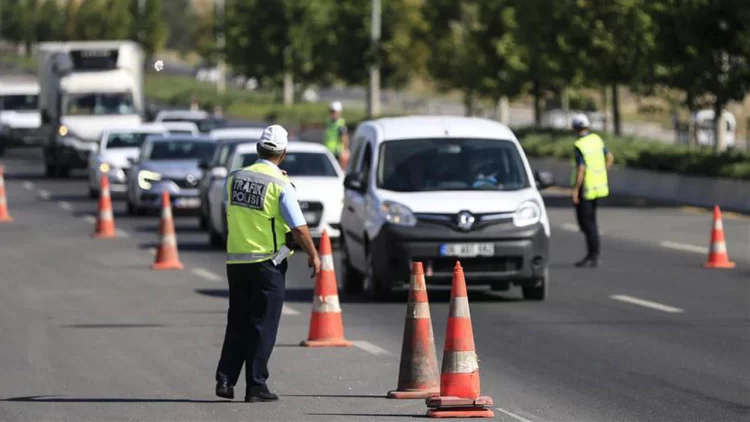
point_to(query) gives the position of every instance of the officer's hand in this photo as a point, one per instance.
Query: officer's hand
(575, 198)
(314, 263)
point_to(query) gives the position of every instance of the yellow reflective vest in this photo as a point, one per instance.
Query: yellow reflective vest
(332, 139)
(595, 183)
(256, 229)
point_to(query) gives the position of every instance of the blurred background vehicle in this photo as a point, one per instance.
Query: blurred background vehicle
(312, 169)
(168, 163)
(203, 120)
(180, 127)
(19, 112)
(117, 149)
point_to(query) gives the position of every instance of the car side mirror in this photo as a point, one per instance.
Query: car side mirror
(218, 173)
(544, 179)
(354, 182)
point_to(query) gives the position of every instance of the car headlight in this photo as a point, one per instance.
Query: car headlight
(145, 177)
(527, 214)
(104, 167)
(396, 213)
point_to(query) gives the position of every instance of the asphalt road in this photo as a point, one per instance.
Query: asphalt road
(90, 333)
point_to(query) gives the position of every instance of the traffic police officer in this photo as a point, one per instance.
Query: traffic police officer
(336, 136)
(264, 223)
(589, 180)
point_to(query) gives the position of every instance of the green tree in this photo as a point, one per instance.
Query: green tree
(29, 18)
(49, 26)
(90, 21)
(150, 28)
(180, 18)
(69, 30)
(119, 20)
(12, 16)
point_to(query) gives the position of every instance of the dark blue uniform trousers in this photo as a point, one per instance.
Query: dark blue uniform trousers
(256, 295)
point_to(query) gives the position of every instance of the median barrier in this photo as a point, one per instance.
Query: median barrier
(673, 188)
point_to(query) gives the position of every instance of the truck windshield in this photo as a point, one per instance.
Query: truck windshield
(98, 104)
(418, 165)
(19, 102)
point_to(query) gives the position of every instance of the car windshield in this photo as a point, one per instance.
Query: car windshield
(99, 104)
(309, 164)
(181, 150)
(204, 125)
(419, 165)
(127, 139)
(19, 102)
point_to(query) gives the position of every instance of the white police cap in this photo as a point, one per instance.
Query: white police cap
(274, 138)
(581, 121)
(336, 106)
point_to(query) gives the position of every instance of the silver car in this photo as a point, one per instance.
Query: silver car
(115, 148)
(168, 163)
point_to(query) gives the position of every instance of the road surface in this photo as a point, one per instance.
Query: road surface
(90, 333)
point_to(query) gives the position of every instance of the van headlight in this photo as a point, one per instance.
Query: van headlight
(104, 167)
(398, 214)
(527, 214)
(145, 177)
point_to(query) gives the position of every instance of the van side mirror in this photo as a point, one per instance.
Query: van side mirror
(203, 164)
(544, 179)
(354, 182)
(218, 173)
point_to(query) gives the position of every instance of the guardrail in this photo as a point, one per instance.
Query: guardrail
(730, 195)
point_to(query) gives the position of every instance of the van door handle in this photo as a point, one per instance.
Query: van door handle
(350, 208)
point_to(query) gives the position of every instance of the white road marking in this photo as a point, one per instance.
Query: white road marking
(27, 185)
(208, 275)
(65, 205)
(513, 415)
(684, 247)
(121, 233)
(569, 227)
(371, 348)
(647, 304)
(285, 310)
(90, 218)
(44, 194)
(152, 251)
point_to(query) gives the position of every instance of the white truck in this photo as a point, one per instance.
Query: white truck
(19, 112)
(86, 88)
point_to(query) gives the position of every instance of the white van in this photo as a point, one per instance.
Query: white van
(441, 190)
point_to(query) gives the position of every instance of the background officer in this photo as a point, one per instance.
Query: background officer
(336, 135)
(262, 210)
(591, 161)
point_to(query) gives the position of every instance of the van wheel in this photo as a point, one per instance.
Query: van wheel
(2, 150)
(93, 194)
(538, 290)
(352, 279)
(203, 222)
(215, 238)
(50, 170)
(374, 287)
(63, 172)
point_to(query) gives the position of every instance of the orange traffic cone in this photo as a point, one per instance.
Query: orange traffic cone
(105, 221)
(460, 395)
(418, 372)
(326, 324)
(4, 214)
(717, 255)
(166, 256)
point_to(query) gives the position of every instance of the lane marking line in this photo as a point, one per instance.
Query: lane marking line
(202, 272)
(27, 185)
(65, 205)
(285, 310)
(44, 194)
(513, 415)
(370, 348)
(121, 233)
(647, 304)
(569, 227)
(684, 247)
(90, 218)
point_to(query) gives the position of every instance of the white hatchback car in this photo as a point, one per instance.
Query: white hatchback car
(317, 177)
(116, 147)
(181, 128)
(440, 190)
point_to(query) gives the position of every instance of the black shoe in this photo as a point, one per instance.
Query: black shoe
(255, 396)
(587, 262)
(225, 390)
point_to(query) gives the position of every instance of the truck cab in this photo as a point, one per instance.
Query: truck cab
(86, 88)
(19, 112)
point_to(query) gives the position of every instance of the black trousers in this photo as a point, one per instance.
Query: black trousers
(586, 215)
(256, 296)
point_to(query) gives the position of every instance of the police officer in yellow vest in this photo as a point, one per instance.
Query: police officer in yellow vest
(336, 136)
(264, 223)
(591, 161)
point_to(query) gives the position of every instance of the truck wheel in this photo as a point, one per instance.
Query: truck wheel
(538, 290)
(352, 279)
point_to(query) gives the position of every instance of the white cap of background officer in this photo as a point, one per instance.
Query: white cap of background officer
(580, 122)
(336, 106)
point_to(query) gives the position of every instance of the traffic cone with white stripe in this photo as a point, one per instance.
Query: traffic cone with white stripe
(105, 221)
(4, 214)
(717, 255)
(418, 372)
(326, 324)
(167, 257)
(460, 395)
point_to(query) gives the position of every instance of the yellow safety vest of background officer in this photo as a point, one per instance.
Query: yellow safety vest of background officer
(591, 161)
(264, 221)
(336, 137)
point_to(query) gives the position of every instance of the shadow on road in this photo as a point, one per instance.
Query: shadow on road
(564, 201)
(371, 415)
(343, 396)
(60, 399)
(113, 325)
(179, 228)
(181, 246)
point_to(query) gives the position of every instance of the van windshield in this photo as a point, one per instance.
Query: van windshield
(98, 104)
(19, 102)
(418, 165)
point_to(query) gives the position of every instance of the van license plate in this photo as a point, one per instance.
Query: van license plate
(465, 250)
(187, 202)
